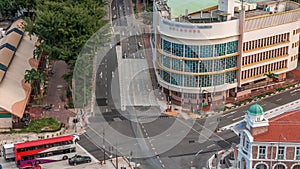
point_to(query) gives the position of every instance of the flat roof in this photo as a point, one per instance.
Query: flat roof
(178, 7)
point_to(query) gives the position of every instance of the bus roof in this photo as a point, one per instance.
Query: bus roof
(42, 142)
(8, 146)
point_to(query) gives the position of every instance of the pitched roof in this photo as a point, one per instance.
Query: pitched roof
(12, 86)
(282, 128)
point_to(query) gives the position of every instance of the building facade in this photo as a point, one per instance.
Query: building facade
(209, 55)
(269, 144)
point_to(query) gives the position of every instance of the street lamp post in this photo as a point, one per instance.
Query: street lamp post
(103, 148)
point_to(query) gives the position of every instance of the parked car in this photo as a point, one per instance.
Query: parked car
(78, 159)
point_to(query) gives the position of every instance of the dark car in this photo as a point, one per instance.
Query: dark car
(78, 159)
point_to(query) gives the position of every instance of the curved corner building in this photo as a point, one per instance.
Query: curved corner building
(209, 50)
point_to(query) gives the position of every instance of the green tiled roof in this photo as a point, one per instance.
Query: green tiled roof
(179, 6)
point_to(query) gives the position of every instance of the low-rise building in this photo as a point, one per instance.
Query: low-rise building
(16, 56)
(269, 144)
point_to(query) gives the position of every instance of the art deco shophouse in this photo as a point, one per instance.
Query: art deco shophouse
(207, 50)
(269, 144)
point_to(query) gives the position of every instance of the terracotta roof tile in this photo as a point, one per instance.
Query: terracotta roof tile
(287, 125)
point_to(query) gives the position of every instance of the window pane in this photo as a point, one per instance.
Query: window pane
(191, 51)
(166, 46)
(206, 51)
(177, 49)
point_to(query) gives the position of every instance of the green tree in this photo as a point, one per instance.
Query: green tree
(270, 75)
(35, 79)
(9, 8)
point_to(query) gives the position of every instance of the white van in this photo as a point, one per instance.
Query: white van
(9, 152)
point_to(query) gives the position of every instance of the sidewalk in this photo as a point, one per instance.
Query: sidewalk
(56, 96)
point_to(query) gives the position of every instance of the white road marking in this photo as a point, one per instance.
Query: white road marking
(230, 113)
(230, 116)
(198, 152)
(237, 118)
(294, 91)
(210, 146)
(278, 99)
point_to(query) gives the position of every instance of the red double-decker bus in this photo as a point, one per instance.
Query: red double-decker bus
(47, 150)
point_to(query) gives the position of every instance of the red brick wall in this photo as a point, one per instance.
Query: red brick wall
(254, 152)
(273, 152)
(258, 130)
(290, 153)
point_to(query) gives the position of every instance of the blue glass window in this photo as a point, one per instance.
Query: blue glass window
(177, 64)
(218, 79)
(230, 62)
(206, 51)
(166, 76)
(9, 46)
(191, 66)
(219, 64)
(191, 51)
(230, 76)
(167, 46)
(18, 31)
(176, 79)
(3, 67)
(205, 81)
(190, 81)
(177, 49)
(166, 61)
(206, 66)
(232, 47)
(220, 49)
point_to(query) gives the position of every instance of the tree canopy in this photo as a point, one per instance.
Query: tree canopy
(9, 8)
(63, 27)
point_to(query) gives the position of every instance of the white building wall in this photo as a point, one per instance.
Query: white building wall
(203, 31)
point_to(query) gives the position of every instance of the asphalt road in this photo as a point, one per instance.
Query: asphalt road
(267, 104)
(199, 141)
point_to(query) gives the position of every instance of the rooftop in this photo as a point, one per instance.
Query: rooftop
(12, 86)
(282, 128)
(178, 7)
(206, 11)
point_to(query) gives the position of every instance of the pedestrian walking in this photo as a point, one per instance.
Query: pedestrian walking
(100, 162)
